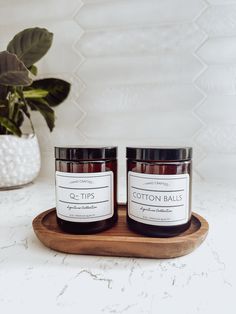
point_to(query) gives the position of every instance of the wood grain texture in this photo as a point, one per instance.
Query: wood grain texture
(119, 241)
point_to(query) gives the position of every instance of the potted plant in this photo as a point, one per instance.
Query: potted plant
(20, 94)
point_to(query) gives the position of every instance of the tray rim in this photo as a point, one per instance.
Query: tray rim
(200, 233)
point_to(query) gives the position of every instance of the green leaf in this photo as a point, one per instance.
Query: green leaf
(12, 71)
(35, 93)
(57, 89)
(31, 44)
(47, 112)
(10, 126)
(33, 69)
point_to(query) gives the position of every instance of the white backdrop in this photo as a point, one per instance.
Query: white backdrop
(142, 72)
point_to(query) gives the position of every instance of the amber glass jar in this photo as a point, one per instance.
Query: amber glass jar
(86, 184)
(159, 190)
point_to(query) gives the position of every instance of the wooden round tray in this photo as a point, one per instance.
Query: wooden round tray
(119, 240)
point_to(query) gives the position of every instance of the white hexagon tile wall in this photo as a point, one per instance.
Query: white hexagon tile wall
(143, 72)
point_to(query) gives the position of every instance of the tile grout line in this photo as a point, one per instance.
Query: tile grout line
(204, 94)
(76, 75)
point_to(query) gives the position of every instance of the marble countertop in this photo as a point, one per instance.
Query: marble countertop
(34, 278)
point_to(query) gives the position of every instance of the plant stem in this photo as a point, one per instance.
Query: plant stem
(31, 123)
(11, 105)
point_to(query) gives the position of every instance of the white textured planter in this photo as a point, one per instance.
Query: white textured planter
(19, 160)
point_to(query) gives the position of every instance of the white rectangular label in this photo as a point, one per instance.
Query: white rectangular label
(84, 197)
(160, 200)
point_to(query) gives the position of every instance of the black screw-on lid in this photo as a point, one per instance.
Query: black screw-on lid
(159, 153)
(77, 153)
